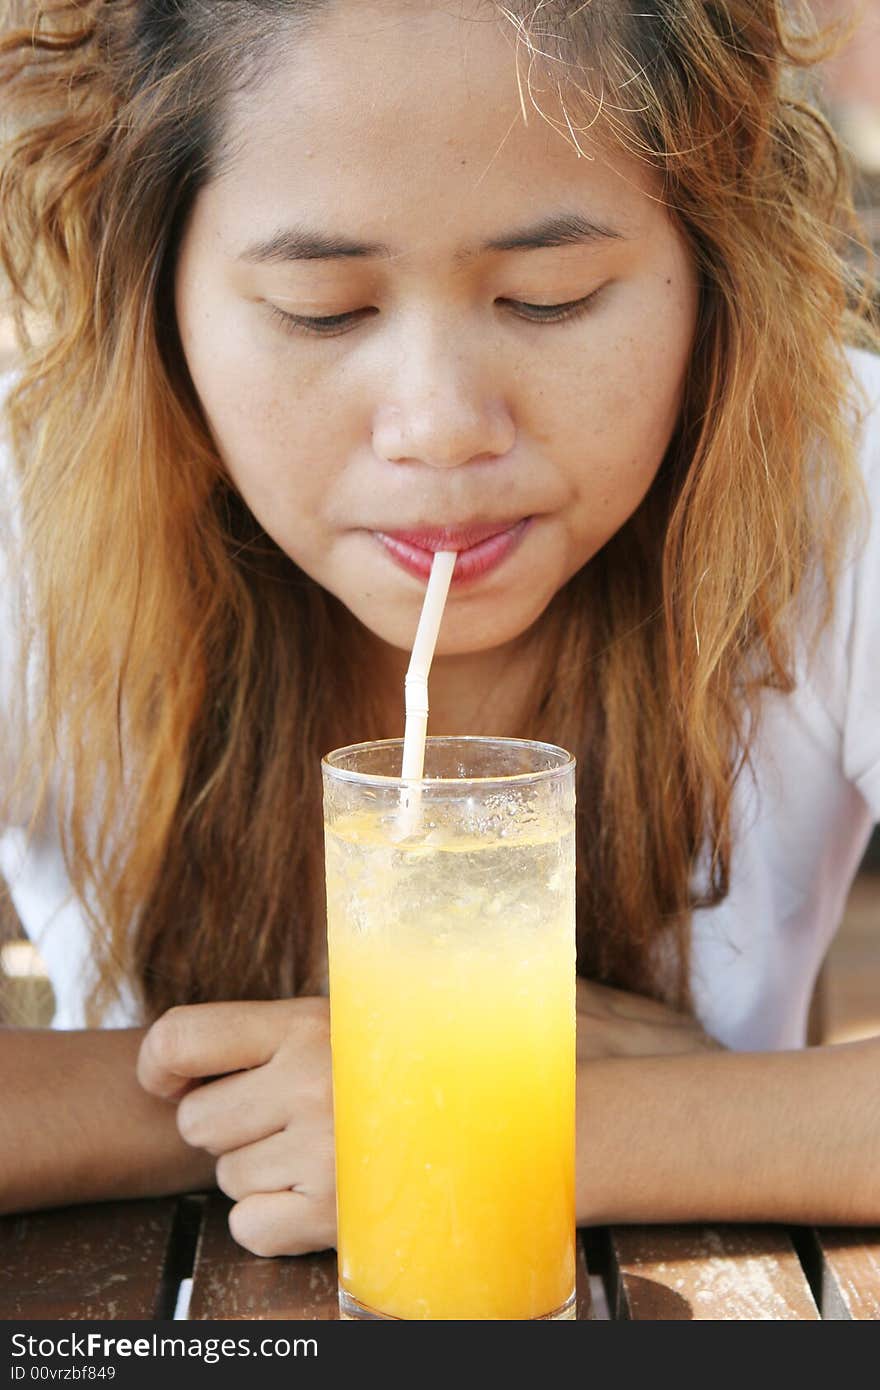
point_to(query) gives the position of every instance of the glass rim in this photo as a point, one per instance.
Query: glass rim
(378, 779)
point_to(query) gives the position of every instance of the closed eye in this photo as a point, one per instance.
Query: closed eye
(333, 324)
(555, 313)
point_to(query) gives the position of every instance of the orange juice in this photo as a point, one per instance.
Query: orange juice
(452, 1004)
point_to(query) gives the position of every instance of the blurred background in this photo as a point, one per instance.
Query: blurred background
(847, 1000)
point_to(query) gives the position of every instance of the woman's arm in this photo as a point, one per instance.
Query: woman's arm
(724, 1136)
(670, 1127)
(78, 1127)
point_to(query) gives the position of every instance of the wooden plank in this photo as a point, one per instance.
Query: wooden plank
(848, 1273)
(748, 1273)
(87, 1262)
(229, 1282)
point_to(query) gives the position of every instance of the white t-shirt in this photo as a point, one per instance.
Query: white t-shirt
(801, 825)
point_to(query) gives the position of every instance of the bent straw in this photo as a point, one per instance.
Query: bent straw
(416, 689)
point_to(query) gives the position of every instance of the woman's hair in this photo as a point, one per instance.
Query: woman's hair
(189, 672)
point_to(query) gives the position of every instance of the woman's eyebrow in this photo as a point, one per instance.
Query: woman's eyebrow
(302, 244)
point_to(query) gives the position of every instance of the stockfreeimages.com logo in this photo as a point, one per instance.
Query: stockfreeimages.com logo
(94, 1346)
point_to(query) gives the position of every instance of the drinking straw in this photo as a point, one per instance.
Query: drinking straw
(416, 689)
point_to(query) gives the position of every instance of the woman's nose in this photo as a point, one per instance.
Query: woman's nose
(442, 415)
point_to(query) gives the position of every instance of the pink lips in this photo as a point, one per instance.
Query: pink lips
(480, 548)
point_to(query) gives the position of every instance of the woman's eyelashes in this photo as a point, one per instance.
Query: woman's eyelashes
(333, 324)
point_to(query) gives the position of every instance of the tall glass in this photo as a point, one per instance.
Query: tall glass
(452, 1017)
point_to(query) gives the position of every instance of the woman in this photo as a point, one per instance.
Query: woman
(325, 274)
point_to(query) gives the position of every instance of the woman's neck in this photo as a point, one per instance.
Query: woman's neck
(486, 692)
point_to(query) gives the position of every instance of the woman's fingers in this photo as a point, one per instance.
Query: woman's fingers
(232, 1111)
(282, 1161)
(283, 1223)
(200, 1040)
(614, 1023)
(289, 1092)
(605, 1001)
(262, 1167)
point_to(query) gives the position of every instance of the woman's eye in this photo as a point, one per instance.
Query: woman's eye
(333, 324)
(326, 327)
(554, 313)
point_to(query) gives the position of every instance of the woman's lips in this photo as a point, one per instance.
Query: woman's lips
(474, 559)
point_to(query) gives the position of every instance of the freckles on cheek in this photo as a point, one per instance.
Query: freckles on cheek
(641, 410)
(615, 408)
(237, 392)
(221, 343)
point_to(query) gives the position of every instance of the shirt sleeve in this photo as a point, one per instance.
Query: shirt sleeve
(861, 716)
(11, 594)
(7, 634)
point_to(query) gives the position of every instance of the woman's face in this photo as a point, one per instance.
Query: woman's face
(438, 398)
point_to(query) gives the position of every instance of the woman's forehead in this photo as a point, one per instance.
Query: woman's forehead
(436, 79)
(378, 125)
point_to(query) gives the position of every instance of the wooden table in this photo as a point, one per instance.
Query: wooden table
(127, 1260)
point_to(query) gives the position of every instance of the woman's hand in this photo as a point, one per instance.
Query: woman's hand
(252, 1085)
(612, 1023)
